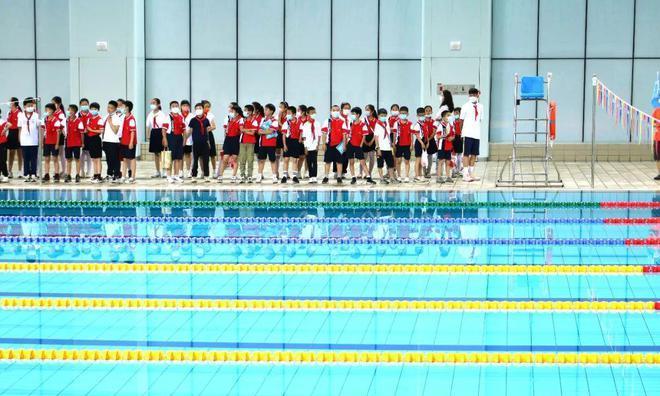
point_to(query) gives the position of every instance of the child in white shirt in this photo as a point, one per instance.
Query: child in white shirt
(311, 135)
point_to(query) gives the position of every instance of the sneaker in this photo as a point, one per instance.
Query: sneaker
(384, 181)
(170, 179)
(340, 180)
(46, 177)
(21, 176)
(67, 179)
(4, 179)
(657, 177)
(440, 180)
(96, 181)
(27, 180)
(295, 180)
(275, 179)
(233, 179)
(156, 175)
(219, 179)
(115, 180)
(406, 180)
(178, 179)
(370, 180)
(259, 179)
(353, 180)
(250, 179)
(11, 175)
(193, 179)
(77, 178)
(312, 180)
(283, 181)
(207, 179)
(325, 180)
(449, 180)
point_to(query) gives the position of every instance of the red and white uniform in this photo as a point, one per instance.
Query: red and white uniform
(177, 124)
(12, 118)
(53, 129)
(291, 128)
(75, 130)
(443, 135)
(269, 123)
(129, 128)
(3, 133)
(335, 129)
(404, 131)
(358, 131)
(97, 123)
(234, 126)
(391, 122)
(250, 123)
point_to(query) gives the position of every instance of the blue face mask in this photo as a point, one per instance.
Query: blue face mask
(94, 112)
(403, 116)
(382, 118)
(84, 108)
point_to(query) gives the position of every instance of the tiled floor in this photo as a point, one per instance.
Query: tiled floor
(574, 175)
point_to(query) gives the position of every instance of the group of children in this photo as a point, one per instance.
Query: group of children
(289, 139)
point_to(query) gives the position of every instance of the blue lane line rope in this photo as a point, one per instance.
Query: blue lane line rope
(310, 241)
(290, 220)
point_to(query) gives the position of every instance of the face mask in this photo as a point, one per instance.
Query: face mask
(94, 112)
(152, 107)
(367, 114)
(297, 114)
(289, 117)
(345, 112)
(335, 114)
(382, 118)
(199, 112)
(427, 116)
(71, 113)
(352, 117)
(312, 116)
(473, 99)
(29, 109)
(175, 110)
(395, 113)
(248, 113)
(403, 116)
(48, 114)
(84, 108)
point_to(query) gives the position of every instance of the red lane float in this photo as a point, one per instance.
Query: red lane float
(651, 269)
(654, 241)
(626, 204)
(627, 221)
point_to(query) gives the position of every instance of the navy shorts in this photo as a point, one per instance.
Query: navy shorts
(231, 145)
(418, 149)
(386, 158)
(656, 150)
(444, 155)
(50, 150)
(93, 145)
(187, 149)
(72, 152)
(175, 144)
(333, 155)
(403, 152)
(127, 153)
(470, 146)
(266, 152)
(294, 149)
(354, 152)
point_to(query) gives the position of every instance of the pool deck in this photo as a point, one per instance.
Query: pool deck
(610, 176)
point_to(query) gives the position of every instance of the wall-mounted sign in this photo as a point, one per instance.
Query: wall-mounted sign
(455, 89)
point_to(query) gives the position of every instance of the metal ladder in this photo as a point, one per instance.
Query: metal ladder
(529, 155)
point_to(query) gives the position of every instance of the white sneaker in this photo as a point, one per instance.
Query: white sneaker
(407, 180)
(312, 180)
(207, 179)
(259, 179)
(275, 179)
(474, 178)
(170, 179)
(233, 179)
(156, 175)
(178, 180)
(4, 179)
(219, 179)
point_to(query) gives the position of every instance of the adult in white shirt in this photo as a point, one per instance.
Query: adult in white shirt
(157, 124)
(213, 151)
(111, 137)
(472, 113)
(28, 125)
(187, 148)
(310, 131)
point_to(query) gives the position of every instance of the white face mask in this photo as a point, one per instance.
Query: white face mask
(29, 109)
(84, 108)
(94, 112)
(382, 118)
(395, 113)
(289, 117)
(313, 116)
(352, 117)
(473, 99)
(199, 112)
(335, 114)
(175, 110)
(152, 107)
(345, 112)
(403, 116)
(248, 113)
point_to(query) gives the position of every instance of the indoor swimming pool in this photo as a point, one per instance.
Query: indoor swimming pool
(329, 292)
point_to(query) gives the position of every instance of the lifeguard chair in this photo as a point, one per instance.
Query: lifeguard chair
(530, 164)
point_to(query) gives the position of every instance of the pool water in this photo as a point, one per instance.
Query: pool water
(347, 275)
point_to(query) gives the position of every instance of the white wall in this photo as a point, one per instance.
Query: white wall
(467, 21)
